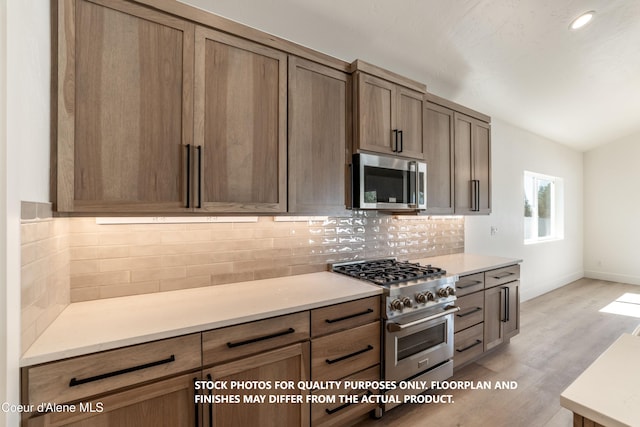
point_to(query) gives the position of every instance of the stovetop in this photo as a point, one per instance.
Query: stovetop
(386, 272)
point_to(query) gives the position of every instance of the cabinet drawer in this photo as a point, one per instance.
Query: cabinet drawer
(254, 337)
(80, 377)
(468, 345)
(471, 311)
(338, 355)
(468, 284)
(338, 413)
(501, 275)
(343, 316)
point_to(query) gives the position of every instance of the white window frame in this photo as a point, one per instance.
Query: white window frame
(556, 209)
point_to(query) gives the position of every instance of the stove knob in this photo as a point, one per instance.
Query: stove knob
(406, 301)
(429, 296)
(396, 304)
(451, 290)
(443, 292)
(421, 298)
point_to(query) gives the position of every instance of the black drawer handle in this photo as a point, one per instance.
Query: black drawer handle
(346, 405)
(473, 283)
(351, 316)
(266, 337)
(474, 310)
(462, 350)
(74, 382)
(339, 359)
(502, 276)
(195, 405)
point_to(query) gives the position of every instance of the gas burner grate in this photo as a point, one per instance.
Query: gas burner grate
(387, 272)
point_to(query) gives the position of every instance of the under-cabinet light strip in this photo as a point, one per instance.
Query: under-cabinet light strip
(173, 220)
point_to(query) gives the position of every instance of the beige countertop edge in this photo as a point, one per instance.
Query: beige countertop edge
(82, 329)
(463, 264)
(605, 392)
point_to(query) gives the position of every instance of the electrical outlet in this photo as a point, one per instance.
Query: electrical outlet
(494, 230)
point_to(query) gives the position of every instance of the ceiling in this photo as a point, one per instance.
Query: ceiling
(512, 59)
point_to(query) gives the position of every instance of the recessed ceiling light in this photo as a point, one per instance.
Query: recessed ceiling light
(582, 20)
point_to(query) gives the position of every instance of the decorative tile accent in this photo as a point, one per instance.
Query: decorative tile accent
(128, 259)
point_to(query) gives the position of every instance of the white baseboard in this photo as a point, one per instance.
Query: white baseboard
(532, 290)
(612, 277)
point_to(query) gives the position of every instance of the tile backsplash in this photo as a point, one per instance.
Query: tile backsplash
(44, 275)
(126, 259)
(67, 260)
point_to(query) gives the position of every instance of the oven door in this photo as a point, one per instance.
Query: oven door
(419, 342)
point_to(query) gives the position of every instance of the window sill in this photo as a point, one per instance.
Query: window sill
(546, 240)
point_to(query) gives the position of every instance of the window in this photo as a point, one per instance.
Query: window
(543, 207)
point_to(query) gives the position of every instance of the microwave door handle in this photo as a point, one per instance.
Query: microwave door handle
(415, 183)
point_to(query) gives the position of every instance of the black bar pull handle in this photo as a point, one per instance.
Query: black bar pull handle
(402, 143)
(473, 195)
(502, 276)
(350, 316)
(75, 382)
(506, 299)
(199, 149)
(341, 358)
(266, 337)
(188, 175)
(469, 347)
(478, 196)
(473, 310)
(195, 405)
(346, 405)
(472, 283)
(504, 303)
(395, 140)
(210, 378)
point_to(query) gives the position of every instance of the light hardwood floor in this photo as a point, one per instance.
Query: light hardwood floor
(562, 333)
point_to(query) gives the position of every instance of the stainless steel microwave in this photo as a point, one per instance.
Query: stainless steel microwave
(389, 183)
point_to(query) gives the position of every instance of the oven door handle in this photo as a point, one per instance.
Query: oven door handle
(396, 327)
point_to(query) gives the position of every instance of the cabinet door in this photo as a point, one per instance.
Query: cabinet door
(493, 317)
(472, 166)
(124, 94)
(482, 164)
(375, 115)
(285, 364)
(439, 154)
(240, 125)
(502, 313)
(319, 137)
(167, 403)
(410, 123)
(512, 325)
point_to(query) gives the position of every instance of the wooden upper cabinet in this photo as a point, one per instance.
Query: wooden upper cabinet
(439, 155)
(389, 117)
(472, 165)
(240, 125)
(124, 81)
(319, 137)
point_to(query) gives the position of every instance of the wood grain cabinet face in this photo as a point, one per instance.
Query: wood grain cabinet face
(439, 155)
(285, 364)
(319, 137)
(124, 81)
(383, 109)
(240, 124)
(164, 403)
(472, 166)
(502, 306)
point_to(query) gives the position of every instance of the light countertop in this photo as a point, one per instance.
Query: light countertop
(607, 392)
(91, 326)
(463, 264)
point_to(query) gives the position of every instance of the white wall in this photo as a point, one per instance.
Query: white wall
(545, 266)
(24, 162)
(612, 203)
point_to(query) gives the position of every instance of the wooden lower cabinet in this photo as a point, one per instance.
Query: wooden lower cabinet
(285, 364)
(489, 312)
(167, 403)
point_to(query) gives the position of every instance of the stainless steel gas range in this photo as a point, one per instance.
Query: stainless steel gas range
(418, 310)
